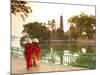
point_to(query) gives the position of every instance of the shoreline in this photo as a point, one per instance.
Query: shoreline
(72, 41)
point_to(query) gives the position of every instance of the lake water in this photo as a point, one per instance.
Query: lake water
(72, 47)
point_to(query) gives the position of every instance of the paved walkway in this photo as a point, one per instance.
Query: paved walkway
(18, 67)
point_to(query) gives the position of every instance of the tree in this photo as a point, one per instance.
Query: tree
(37, 30)
(67, 35)
(84, 23)
(45, 33)
(52, 27)
(52, 24)
(22, 40)
(60, 33)
(21, 8)
(73, 33)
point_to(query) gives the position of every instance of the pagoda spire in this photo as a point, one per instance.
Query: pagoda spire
(61, 22)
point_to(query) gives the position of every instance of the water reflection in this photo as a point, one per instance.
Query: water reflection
(72, 47)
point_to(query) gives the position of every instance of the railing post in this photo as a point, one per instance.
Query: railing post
(17, 51)
(11, 51)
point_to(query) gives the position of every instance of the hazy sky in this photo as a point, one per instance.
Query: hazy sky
(42, 12)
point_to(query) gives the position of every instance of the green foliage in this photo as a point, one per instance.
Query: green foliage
(22, 40)
(84, 23)
(37, 30)
(52, 24)
(52, 27)
(60, 33)
(74, 32)
(20, 7)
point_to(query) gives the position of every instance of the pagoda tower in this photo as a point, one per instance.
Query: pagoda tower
(61, 22)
